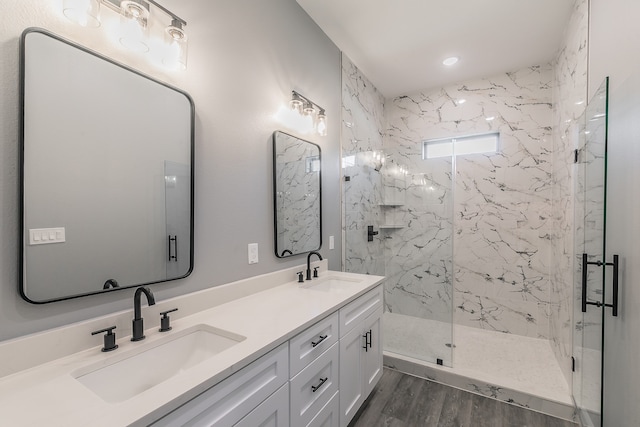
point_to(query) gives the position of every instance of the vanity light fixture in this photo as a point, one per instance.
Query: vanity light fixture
(138, 29)
(307, 108)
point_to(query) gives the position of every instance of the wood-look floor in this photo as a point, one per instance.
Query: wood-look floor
(401, 400)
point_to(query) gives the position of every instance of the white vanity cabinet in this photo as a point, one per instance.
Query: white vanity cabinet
(319, 378)
(360, 351)
(229, 401)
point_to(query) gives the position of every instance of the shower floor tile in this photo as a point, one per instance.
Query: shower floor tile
(507, 367)
(517, 362)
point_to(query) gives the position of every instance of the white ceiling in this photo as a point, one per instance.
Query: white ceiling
(400, 44)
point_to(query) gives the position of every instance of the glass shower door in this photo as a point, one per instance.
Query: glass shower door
(590, 265)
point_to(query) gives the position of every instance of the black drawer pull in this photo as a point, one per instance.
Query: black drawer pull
(322, 338)
(315, 388)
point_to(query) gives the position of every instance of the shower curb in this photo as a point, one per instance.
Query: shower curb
(447, 376)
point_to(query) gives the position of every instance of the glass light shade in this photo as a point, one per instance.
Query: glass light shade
(134, 26)
(321, 125)
(296, 103)
(82, 12)
(175, 39)
(308, 109)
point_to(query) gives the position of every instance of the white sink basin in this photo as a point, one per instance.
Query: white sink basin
(331, 283)
(127, 375)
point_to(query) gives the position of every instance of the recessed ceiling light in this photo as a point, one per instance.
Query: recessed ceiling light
(450, 61)
(489, 118)
(461, 101)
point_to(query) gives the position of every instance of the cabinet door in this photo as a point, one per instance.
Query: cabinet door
(351, 374)
(273, 412)
(329, 416)
(372, 364)
(229, 401)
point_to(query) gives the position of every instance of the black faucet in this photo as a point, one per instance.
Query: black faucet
(138, 322)
(309, 263)
(111, 283)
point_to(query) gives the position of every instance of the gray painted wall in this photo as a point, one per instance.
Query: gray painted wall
(613, 51)
(244, 59)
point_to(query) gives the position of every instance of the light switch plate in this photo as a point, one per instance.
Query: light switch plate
(45, 236)
(332, 243)
(253, 253)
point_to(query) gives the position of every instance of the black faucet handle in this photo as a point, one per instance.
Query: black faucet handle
(315, 272)
(300, 277)
(109, 338)
(165, 320)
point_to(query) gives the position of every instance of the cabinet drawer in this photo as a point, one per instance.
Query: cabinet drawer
(311, 343)
(314, 386)
(229, 401)
(358, 310)
(329, 416)
(273, 412)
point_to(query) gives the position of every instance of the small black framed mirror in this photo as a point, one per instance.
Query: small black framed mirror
(297, 176)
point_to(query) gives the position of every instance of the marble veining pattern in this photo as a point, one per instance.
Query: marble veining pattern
(297, 196)
(362, 125)
(494, 222)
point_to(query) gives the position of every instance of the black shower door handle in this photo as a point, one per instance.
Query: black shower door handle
(616, 271)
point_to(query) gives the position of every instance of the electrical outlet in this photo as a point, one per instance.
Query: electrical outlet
(253, 253)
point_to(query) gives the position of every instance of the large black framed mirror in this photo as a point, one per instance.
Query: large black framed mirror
(106, 174)
(297, 193)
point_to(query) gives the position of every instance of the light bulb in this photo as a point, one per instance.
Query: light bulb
(134, 16)
(175, 39)
(308, 109)
(296, 103)
(450, 61)
(82, 12)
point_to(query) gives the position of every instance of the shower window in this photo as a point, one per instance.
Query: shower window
(447, 147)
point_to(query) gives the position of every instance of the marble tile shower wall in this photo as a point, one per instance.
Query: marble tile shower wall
(362, 126)
(501, 203)
(569, 95)
(419, 256)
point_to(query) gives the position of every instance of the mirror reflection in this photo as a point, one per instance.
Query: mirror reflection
(297, 195)
(107, 199)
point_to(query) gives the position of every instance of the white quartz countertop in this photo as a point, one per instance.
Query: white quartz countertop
(48, 394)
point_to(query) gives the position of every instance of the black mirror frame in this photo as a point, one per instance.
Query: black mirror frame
(275, 198)
(21, 238)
